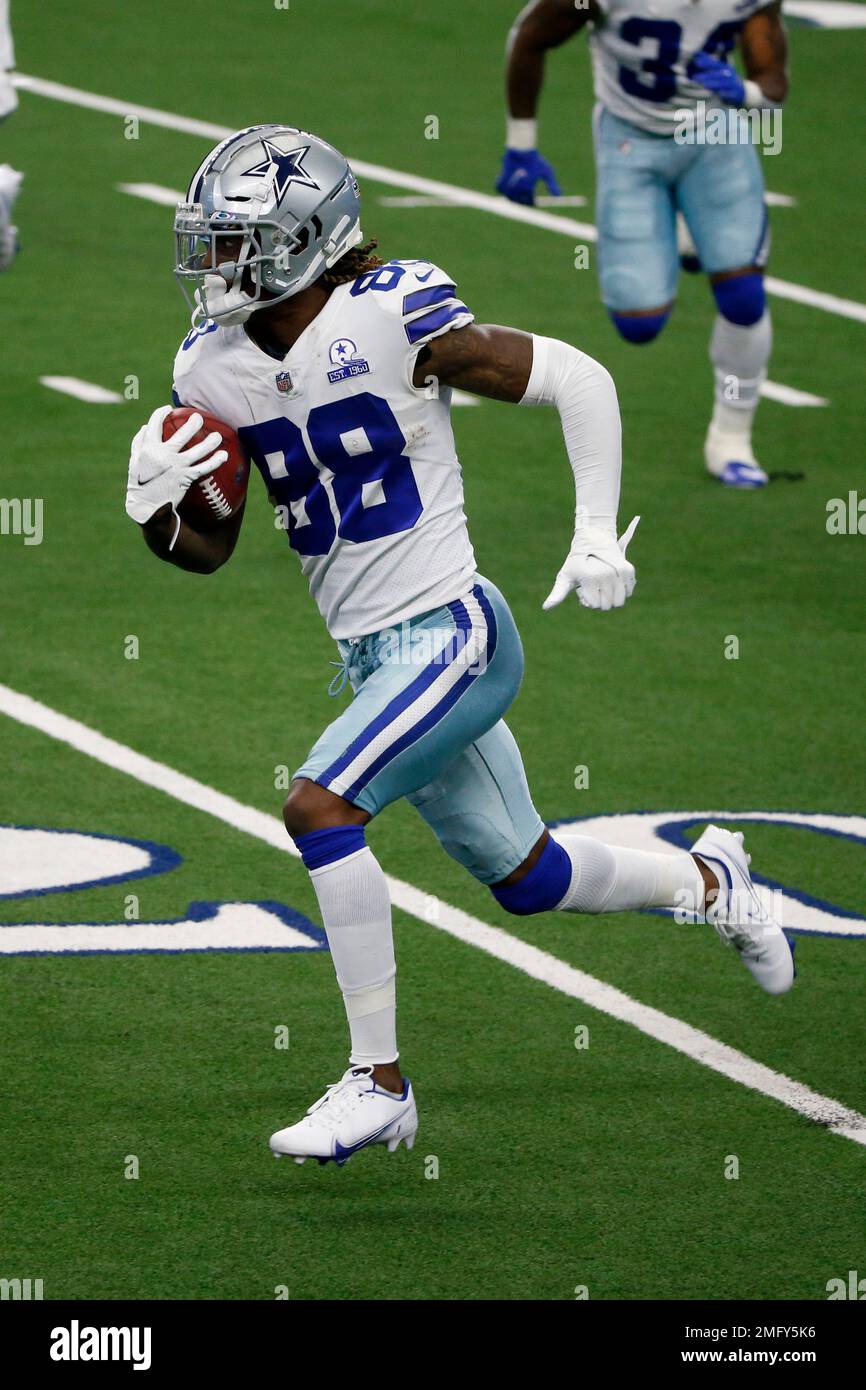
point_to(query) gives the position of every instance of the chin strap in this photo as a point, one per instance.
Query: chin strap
(226, 305)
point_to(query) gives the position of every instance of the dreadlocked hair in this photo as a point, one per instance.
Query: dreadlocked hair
(355, 262)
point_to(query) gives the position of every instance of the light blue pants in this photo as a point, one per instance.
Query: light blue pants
(426, 723)
(642, 180)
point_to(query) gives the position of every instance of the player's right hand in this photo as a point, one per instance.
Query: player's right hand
(521, 171)
(162, 470)
(596, 570)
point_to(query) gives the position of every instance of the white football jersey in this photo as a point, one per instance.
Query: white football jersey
(8, 95)
(641, 50)
(359, 462)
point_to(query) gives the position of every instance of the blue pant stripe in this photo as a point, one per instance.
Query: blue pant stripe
(432, 718)
(407, 697)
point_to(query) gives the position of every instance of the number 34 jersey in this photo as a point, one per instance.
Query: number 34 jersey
(359, 463)
(641, 50)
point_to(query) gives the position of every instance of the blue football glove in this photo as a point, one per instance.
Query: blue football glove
(718, 77)
(521, 171)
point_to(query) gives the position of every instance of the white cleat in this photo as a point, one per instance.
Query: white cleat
(740, 917)
(351, 1115)
(730, 459)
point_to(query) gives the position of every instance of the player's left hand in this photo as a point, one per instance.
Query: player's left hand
(596, 570)
(718, 77)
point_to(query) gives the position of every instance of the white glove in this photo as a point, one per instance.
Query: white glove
(162, 470)
(227, 306)
(596, 568)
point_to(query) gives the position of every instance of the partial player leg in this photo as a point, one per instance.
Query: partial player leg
(740, 347)
(356, 913)
(713, 884)
(10, 182)
(421, 695)
(481, 810)
(637, 243)
(722, 198)
(372, 1103)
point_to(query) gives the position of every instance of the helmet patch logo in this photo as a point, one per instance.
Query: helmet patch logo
(284, 167)
(347, 360)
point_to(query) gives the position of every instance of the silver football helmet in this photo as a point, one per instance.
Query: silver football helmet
(267, 212)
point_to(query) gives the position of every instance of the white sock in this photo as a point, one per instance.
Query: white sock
(606, 878)
(356, 912)
(739, 357)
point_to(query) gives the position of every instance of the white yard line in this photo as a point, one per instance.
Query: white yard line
(81, 390)
(420, 200)
(413, 183)
(153, 193)
(788, 395)
(538, 965)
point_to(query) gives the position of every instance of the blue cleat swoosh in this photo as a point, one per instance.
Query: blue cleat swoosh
(737, 474)
(342, 1155)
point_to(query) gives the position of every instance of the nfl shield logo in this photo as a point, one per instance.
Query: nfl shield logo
(284, 382)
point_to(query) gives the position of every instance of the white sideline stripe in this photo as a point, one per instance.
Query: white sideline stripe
(81, 390)
(788, 395)
(691, 1042)
(380, 173)
(153, 192)
(779, 200)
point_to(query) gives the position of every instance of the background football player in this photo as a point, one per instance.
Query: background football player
(654, 61)
(10, 179)
(336, 369)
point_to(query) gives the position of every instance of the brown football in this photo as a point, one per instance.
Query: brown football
(218, 496)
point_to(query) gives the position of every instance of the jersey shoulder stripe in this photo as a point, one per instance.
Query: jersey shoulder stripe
(422, 299)
(426, 301)
(427, 326)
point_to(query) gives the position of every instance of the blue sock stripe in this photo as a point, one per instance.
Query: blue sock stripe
(320, 847)
(542, 888)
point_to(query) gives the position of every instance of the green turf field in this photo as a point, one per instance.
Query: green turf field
(558, 1167)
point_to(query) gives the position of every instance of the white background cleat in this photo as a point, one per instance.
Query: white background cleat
(739, 915)
(351, 1115)
(729, 458)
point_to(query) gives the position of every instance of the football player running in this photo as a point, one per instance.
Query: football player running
(662, 78)
(336, 370)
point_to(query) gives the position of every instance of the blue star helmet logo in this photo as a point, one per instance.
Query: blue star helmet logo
(285, 167)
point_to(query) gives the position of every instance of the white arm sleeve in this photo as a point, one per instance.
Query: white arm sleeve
(584, 394)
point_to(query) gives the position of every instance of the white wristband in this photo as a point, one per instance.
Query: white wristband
(754, 99)
(521, 134)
